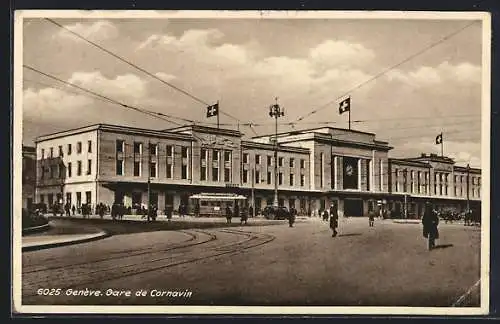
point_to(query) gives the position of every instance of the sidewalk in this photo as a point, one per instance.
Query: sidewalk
(60, 235)
(177, 218)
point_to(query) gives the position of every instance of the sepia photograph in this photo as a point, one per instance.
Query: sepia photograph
(251, 162)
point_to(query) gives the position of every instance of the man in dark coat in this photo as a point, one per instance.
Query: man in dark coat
(430, 222)
(334, 219)
(228, 214)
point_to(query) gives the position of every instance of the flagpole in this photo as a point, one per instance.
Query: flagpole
(442, 152)
(217, 114)
(349, 117)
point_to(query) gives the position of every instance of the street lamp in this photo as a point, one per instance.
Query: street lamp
(275, 111)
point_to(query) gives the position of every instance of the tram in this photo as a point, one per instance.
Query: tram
(214, 204)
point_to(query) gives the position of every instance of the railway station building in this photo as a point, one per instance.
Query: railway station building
(105, 163)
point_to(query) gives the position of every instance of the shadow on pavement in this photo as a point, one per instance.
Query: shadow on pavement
(442, 246)
(349, 234)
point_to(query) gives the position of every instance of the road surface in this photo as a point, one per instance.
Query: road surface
(386, 265)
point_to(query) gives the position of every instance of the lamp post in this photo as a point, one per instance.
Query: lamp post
(275, 111)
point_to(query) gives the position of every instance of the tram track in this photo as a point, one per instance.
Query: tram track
(83, 278)
(115, 255)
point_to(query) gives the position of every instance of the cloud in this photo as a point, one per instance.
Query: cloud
(53, 105)
(127, 86)
(444, 73)
(99, 30)
(165, 76)
(341, 54)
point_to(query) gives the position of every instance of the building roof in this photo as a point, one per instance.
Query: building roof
(112, 128)
(204, 129)
(312, 130)
(432, 157)
(281, 148)
(409, 162)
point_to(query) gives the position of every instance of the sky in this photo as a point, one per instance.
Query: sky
(308, 64)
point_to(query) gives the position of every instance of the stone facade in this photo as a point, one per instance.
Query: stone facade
(108, 163)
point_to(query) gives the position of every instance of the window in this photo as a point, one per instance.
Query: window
(61, 154)
(280, 178)
(79, 168)
(89, 146)
(257, 159)
(215, 165)
(120, 146)
(245, 176)
(137, 168)
(51, 199)
(88, 197)
(227, 166)
(42, 199)
(184, 173)
(245, 157)
(89, 167)
(69, 170)
(136, 199)
(51, 152)
(137, 148)
(280, 161)
(43, 153)
(302, 163)
(302, 180)
(119, 167)
(170, 151)
(321, 168)
(78, 199)
(79, 147)
(53, 171)
(292, 179)
(269, 177)
(269, 160)
(257, 176)
(153, 149)
(152, 169)
(69, 149)
(203, 164)
(68, 198)
(396, 178)
(292, 163)
(59, 171)
(170, 161)
(184, 167)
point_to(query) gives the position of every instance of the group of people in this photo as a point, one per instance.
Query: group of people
(235, 212)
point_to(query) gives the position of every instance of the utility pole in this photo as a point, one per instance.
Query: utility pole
(253, 192)
(468, 175)
(149, 180)
(275, 112)
(405, 175)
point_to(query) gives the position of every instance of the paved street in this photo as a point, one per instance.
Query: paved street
(262, 265)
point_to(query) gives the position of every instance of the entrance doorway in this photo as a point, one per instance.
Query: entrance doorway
(353, 207)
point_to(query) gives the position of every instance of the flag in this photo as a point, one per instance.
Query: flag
(213, 110)
(345, 105)
(439, 139)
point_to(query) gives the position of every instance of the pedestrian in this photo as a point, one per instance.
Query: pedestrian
(101, 210)
(244, 216)
(250, 211)
(371, 218)
(430, 221)
(334, 219)
(291, 219)
(228, 214)
(236, 210)
(325, 215)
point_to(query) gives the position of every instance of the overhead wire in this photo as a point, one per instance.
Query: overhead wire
(135, 66)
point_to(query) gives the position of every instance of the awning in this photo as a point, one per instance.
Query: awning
(218, 197)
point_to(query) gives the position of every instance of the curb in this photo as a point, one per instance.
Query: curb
(42, 246)
(36, 229)
(406, 221)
